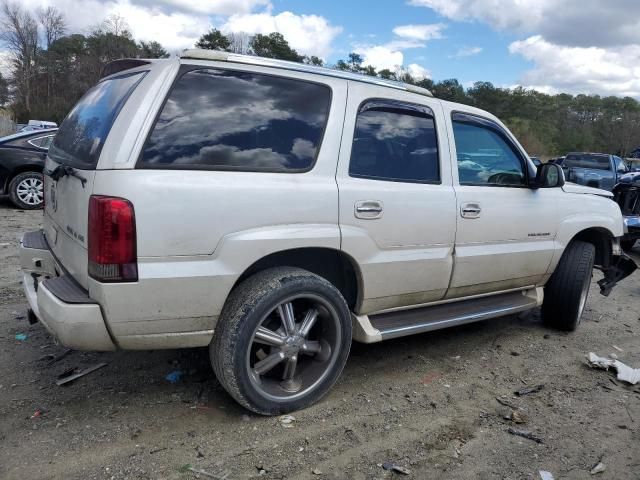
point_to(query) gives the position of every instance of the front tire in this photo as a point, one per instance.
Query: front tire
(26, 190)
(281, 341)
(565, 294)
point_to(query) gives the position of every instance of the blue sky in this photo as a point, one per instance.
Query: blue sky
(361, 19)
(573, 46)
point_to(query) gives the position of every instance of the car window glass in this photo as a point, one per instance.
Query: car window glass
(621, 167)
(485, 157)
(81, 136)
(587, 160)
(395, 144)
(232, 120)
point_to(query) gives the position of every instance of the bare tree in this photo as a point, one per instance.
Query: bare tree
(19, 31)
(116, 25)
(53, 24)
(239, 42)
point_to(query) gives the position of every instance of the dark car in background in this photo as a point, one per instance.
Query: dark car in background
(21, 162)
(599, 170)
(627, 194)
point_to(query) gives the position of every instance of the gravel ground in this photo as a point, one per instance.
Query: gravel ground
(428, 403)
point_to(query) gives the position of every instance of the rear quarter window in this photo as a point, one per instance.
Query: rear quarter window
(231, 120)
(81, 136)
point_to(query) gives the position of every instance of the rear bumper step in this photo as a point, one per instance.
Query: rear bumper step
(425, 319)
(61, 305)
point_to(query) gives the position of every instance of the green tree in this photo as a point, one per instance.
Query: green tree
(214, 40)
(313, 60)
(151, 49)
(274, 45)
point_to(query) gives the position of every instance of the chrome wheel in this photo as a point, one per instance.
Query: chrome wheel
(30, 191)
(294, 347)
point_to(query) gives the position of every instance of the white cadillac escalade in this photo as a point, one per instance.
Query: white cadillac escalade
(275, 211)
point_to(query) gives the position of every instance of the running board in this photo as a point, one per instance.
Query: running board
(384, 326)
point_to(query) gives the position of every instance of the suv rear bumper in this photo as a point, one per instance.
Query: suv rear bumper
(63, 307)
(631, 226)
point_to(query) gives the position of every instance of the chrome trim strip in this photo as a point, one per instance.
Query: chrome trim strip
(524, 291)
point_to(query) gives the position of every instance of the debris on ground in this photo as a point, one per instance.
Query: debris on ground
(527, 390)
(516, 416)
(219, 476)
(625, 372)
(524, 434)
(175, 376)
(21, 337)
(315, 471)
(286, 420)
(598, 468)
(544, 475)
(57, 358)
(69, 375)
(504, 402)
(38, 413)
(396, 468)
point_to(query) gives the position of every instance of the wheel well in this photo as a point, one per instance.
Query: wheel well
(18, 171)
(333, 265)
(601, 239)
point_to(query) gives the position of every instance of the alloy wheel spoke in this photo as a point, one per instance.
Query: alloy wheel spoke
(290, 368)
(308, 322)
(288, 318)
(265, 365)
(311, 347)
(268, 337)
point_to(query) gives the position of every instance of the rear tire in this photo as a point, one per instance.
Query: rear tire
(26, 190)
(281, 341)
(565, 294)
(627, 245)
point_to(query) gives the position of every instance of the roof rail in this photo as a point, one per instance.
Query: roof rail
(217, 55)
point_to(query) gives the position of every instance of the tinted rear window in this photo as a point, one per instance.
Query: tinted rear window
(587, 160)
(81, 136)
(230, 120)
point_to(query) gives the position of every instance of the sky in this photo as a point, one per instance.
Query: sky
(573, 46)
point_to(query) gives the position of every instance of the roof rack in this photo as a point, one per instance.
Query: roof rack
(217, 55)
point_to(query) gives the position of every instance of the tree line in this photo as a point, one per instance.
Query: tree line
(52, 68)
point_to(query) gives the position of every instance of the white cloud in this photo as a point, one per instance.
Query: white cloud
(308, 34)
(176, 24)
(418, 71)
(568, 22)
(420, 32)
(606, 71)
(466, 52)
(381, 57)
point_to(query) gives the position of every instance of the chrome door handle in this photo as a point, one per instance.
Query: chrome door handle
(368, 209)
(470, 210)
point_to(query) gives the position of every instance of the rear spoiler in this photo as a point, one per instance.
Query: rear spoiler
(117, 66)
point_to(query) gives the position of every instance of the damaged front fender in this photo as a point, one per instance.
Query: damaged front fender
(620, 266)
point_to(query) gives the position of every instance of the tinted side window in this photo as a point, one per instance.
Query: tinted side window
(230, 120)
(587, 160)
(485, 157)
(81, 136)
(395, 142)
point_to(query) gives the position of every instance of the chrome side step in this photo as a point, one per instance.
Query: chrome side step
(425, 319)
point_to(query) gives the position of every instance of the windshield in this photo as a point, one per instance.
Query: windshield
(82, 134)
(587, 160)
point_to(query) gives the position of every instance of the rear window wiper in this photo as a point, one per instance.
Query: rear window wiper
(64, 171)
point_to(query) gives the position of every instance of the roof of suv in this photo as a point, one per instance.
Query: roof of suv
(217, 55)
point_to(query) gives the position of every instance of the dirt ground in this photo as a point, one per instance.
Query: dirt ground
(427, 403)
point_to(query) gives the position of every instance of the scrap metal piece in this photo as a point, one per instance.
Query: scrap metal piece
(625, 372)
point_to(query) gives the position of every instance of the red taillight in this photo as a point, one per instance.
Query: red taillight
(112, 240)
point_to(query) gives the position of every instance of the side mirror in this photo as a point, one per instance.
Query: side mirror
(549, 175)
